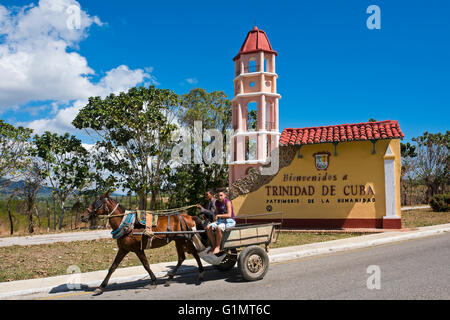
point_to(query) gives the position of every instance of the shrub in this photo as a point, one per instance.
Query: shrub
(440, 202)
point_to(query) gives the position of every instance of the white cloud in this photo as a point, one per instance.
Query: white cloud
(34, 60)
(192, 80)
(116, 80)
(61, 123)
(121, 79)
(38, 62)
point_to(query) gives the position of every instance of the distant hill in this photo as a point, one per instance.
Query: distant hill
(44, 191)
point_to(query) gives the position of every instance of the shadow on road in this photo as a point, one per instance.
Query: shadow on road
(188, 277)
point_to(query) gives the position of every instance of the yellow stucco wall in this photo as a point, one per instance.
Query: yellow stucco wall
(353, 167)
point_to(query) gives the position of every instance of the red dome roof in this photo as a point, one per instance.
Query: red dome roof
(256, 41)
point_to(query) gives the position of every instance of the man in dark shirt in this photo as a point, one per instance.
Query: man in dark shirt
(210, 212)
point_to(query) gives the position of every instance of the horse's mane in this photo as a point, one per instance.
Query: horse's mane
(120, 206)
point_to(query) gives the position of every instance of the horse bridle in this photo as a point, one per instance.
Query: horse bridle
(105, 208)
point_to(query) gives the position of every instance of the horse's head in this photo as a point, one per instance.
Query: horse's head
(97, 208)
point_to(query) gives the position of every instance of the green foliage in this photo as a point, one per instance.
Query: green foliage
(134, 131)
(408, 150)
(188, 183)
(252, 119)
(440, 202)
(212, 109)
(13, 149)
(431, 165)
(65, 162)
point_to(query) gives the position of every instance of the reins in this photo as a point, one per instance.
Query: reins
(162, 212)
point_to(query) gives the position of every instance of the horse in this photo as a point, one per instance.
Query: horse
(131, 242)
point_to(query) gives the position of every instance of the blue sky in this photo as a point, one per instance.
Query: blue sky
(332, 69)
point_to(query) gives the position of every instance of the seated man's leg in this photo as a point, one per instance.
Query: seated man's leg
(218, 240)
(211, 237)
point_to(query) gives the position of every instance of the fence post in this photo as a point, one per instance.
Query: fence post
(48, 215)
(54, 213)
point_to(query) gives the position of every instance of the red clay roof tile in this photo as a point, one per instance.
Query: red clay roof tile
(388, 129)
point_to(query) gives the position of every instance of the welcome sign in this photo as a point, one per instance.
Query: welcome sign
(322, 184)
(316, 189)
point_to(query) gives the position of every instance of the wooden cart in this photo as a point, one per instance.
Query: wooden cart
(242, 244)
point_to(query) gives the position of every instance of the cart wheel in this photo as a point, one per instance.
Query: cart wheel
(253, 262)
(228, 262)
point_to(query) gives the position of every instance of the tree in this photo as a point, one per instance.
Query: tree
(188, 182)
(32, 181)
(432, 161)
(13, 146)
(134, 131)
(10, 215)
(408, 152)
(65, 165)
(252, 119)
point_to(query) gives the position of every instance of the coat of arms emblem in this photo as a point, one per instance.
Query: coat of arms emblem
(322, 160)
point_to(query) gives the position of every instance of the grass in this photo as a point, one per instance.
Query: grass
(38, 261)
(424, 217)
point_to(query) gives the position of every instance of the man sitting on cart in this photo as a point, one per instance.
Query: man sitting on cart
(224, 219)
(209, 213)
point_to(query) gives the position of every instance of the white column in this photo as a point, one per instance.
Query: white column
(262, 112)
(389, 183)
(261, 61)
(262, 137)
(276, 115)
(262, 79)
(240, 148)
(245, 116)
(273, 63)
(239, 116)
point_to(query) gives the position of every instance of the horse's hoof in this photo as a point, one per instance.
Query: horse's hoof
(98, 291)
(167, 283)
(151, 286)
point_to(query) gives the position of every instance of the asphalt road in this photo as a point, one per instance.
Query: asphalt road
(55, 237)
(415, 269)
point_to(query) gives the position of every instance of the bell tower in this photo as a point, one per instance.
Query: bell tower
(254, 106)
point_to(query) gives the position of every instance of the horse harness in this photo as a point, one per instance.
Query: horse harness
(130, 218)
